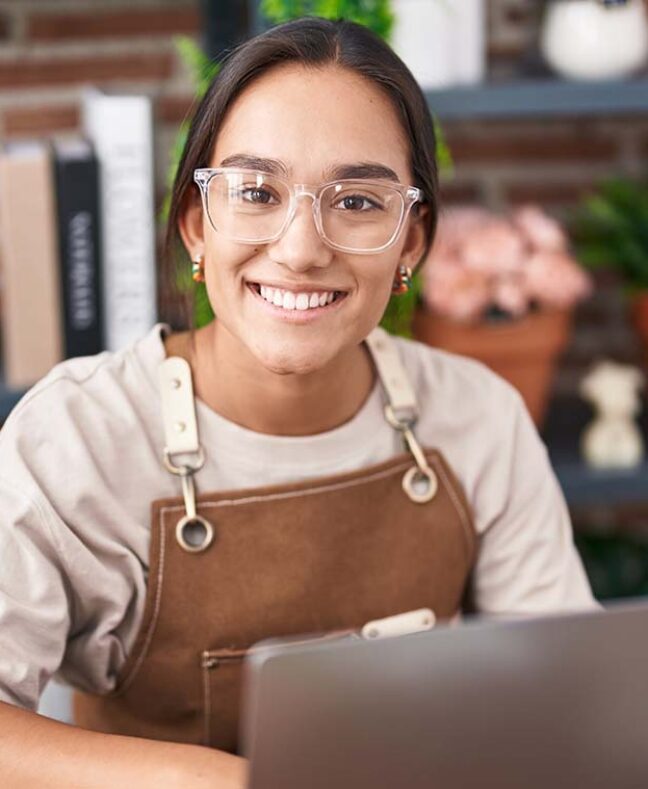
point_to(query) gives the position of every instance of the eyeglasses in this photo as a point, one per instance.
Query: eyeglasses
(252, 207)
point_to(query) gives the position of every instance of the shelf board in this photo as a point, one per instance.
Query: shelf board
(545, 97)
(584, 486)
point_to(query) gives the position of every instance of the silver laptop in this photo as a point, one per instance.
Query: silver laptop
(546, 703)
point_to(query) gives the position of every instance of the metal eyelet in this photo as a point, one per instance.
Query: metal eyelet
(411, 484)
(185, 533)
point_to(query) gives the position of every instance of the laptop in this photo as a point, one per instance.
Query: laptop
(546, 703)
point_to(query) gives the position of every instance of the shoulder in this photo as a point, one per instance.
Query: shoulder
(82, 416)
(458, 385)
(74, 387)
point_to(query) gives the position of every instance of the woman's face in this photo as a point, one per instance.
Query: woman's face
(312, 124)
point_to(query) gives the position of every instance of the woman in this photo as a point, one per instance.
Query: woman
(340, 475)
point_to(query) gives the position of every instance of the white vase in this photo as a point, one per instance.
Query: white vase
(586, 39)
(441, 41)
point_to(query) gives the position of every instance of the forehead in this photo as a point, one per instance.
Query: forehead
(313, 118)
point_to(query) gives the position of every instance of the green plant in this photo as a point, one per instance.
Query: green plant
(374, 14)
(610, 231)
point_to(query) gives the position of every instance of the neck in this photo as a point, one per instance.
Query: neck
(258, 399)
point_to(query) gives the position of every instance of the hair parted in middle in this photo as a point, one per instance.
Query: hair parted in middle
(312, 42)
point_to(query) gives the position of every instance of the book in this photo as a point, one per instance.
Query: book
(121, 130)
(77, 208)
(32, 336)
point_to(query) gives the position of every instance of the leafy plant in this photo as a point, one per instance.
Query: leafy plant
(374, 14)
(610, 231)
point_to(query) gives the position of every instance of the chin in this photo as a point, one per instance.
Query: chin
(292, 358)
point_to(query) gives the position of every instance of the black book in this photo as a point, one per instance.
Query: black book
(77, 207)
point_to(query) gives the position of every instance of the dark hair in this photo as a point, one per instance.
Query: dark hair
(314, 42)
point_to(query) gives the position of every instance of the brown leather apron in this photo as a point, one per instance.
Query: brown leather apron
(234, 567)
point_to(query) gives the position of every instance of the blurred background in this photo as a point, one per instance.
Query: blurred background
(542, 112)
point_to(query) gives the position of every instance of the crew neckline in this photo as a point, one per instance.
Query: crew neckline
(353, 438)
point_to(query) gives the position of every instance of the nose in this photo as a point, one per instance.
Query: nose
(301, 247)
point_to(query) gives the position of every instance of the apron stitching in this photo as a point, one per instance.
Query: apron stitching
(207, 705)
(458, 505)
(154, 616)
(294, 494)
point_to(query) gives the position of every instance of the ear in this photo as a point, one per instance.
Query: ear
(190, 225)
(414, 236)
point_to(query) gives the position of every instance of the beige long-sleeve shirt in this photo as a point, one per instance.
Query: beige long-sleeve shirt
(81, 462)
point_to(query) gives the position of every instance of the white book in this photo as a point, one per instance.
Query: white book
(470, 48)
(121, 129)
(443, 42)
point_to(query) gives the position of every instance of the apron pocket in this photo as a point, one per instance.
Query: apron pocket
(222, 671)
(222, 676)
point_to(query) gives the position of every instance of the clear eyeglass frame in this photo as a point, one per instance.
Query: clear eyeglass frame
(410, 195)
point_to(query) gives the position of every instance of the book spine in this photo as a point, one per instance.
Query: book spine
(121, 129)
(31, 325)
(77, 187)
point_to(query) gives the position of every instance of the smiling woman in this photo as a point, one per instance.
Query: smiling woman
(290, 467)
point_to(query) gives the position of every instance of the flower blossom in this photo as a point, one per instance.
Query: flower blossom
(481, 260)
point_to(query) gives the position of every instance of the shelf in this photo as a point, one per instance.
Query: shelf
(582, 485)
(546, 97)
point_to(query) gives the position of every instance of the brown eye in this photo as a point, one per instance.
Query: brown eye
(258, 196)
(356, 203)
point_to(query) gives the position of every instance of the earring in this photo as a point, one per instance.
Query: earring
(198, 269)
(403, 280)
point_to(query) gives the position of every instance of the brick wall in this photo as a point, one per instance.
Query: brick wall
(50, 48)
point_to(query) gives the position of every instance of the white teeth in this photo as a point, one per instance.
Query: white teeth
(289, 300)
(301, 302)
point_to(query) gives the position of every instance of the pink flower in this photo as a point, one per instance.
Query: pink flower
(452, 290)
(509, 295)
(493, 247)
(481, 260)
(554, 281)
(540, 230)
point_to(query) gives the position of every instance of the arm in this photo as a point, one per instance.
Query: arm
(36, 601)
(527, 562)
(39, 753)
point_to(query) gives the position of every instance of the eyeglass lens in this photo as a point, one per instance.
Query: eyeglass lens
(254, 207)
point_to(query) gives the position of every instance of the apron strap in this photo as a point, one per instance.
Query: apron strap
(178, 409)
(193, 532)
(401, 412)
(392, 375)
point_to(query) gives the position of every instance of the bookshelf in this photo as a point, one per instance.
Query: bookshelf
(540, 97)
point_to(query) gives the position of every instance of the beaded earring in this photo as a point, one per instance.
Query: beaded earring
(403, 280)
(198, 269)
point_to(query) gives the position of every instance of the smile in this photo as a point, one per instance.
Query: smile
(302, 301)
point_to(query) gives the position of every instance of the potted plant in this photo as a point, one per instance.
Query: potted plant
(611, 232)
(501, 289)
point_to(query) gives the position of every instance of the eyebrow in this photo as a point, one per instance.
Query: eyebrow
(369, 170)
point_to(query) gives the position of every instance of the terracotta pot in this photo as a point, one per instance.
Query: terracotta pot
(524, 351)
